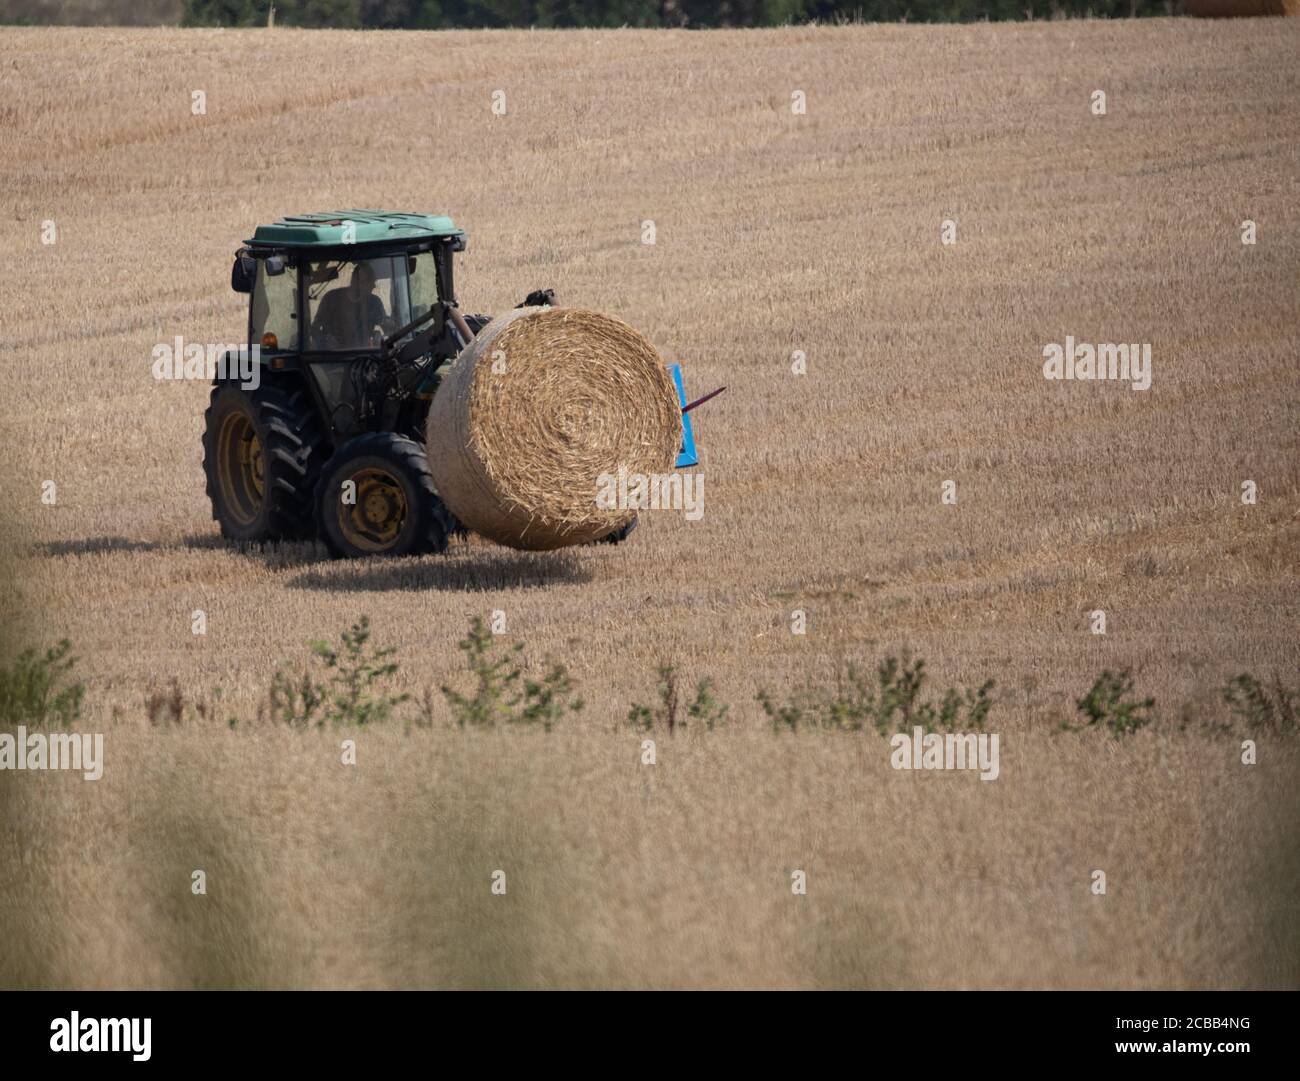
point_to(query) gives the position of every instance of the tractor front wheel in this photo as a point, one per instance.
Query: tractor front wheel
(376, 498)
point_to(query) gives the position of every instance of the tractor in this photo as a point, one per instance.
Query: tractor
(355, 317)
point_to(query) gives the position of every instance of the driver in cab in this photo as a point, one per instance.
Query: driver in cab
(349, 317)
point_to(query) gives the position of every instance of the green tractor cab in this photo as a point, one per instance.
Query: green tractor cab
(353, 314)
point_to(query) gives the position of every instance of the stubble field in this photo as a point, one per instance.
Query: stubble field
(775, 233)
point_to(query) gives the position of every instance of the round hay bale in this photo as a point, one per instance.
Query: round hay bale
(1224, 9)
(540, 405)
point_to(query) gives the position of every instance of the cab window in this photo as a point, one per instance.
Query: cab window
(275, 308)
(355, 304)
(424, 283)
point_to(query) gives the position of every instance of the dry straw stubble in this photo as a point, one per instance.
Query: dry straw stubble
(540, 405)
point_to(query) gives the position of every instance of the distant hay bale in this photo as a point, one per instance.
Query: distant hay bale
(540, 404)
(1224, 9)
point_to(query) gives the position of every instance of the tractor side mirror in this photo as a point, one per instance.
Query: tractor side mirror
(274, 265)
(243, 273)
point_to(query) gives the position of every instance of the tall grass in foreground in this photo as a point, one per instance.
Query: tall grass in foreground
(478, 855)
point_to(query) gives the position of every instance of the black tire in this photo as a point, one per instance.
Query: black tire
(395, 510)
(619, 535)
(262, 453)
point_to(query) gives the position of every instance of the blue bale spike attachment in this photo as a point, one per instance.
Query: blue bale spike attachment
(687, 456)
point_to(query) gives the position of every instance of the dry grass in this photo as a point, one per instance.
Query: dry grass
(619, 875)
(775, 233)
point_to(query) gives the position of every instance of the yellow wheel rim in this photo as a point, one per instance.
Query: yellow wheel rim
(241, 468)
(374, 521)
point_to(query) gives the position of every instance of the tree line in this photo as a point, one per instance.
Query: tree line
(447, 14)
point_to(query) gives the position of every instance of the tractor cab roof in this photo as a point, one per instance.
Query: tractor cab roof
(331, 229)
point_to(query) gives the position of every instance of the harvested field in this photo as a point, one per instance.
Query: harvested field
(778, 236)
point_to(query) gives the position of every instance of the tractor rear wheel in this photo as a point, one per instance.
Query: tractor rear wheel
(262, 451)
(376, 497)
